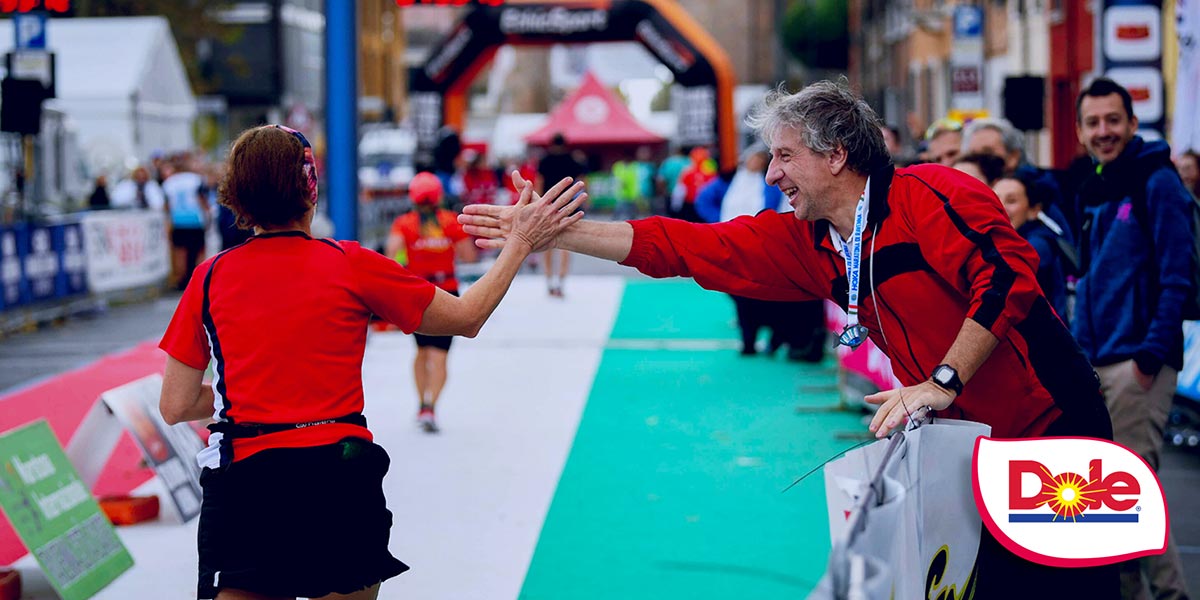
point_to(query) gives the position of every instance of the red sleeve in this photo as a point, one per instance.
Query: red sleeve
(452, 228)
(965, 235)
(185, 339)
(388, 289)
(769, 256)
(398, 226)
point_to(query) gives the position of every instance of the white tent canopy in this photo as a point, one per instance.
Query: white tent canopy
(122, 84)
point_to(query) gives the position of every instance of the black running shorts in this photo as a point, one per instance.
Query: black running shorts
(297, 522)
(434, 341)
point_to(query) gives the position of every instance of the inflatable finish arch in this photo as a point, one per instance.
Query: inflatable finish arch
(702, 70)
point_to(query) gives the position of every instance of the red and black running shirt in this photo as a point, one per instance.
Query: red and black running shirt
(430, 247)
(938, 249)
(284, 319)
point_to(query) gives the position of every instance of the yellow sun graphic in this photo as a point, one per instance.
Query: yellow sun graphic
(1068, 494)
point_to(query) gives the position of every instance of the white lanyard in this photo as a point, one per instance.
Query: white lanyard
(854, 335)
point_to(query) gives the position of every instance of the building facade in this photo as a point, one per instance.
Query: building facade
(383, 72)
(920, 60)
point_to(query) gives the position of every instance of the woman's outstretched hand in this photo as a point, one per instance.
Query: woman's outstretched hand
(534, 220)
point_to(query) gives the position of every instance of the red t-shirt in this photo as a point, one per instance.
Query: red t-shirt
(431, 248)
(284, 317)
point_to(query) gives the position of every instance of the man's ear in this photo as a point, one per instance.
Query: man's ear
(837, 160)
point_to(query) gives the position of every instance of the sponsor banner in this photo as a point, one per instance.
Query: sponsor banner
(426, 110)
(40, 263)
(168, 449)
(696, 107)
(1131, 50)
(125, 249)
(673, 52)
(56, 516)
(484, 28)
(449, 51)
(557, 20)
(67, 240)
(1069, 501)
(14, 289)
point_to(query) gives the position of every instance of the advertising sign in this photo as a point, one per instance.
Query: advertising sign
(966, 58)
(13, 291)
(67, 241)
(40, 263)
(125, 249)
(56, 516)
(702, 95)
(169, 450)
(1131, 41)
(1069, 502)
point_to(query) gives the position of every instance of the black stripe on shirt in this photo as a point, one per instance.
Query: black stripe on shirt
(1003, 276)
(889, 261)
(226, 445)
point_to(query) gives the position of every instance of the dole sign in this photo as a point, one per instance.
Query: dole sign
(1069, 502)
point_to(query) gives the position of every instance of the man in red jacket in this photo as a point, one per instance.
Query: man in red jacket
(925, 263)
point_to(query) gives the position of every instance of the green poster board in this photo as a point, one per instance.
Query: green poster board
(55, 514)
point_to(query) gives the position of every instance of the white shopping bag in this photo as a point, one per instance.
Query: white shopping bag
(937, 534)
(859, 565)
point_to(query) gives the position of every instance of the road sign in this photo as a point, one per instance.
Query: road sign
(30, 31)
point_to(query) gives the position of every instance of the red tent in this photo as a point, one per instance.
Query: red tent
(591, 116)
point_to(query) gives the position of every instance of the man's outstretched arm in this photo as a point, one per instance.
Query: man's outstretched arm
(764, 257)
(610, 241)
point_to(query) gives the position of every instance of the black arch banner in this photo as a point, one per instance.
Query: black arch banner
(704, 78)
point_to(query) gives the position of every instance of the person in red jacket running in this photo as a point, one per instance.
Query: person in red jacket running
(925, 263)
(427, 240)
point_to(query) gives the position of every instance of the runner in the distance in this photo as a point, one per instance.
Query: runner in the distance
(428, 240)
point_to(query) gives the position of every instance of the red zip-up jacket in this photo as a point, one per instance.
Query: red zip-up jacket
(938, 249)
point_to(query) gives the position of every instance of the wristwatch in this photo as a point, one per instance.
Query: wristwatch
(947, 378)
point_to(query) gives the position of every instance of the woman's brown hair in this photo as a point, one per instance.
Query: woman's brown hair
(265, 184)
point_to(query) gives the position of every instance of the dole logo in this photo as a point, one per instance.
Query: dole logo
(1069, 501)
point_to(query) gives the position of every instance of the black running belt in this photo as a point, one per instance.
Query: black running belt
(249, 430)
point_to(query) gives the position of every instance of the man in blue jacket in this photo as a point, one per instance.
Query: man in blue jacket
(1136, 244)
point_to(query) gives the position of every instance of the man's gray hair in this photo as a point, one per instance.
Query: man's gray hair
(1013, 140)
(827, 115)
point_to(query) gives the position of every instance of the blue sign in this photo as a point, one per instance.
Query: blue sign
(13, 289)
(968, 21)
(29, 29)
(67, 240)
(41, 264)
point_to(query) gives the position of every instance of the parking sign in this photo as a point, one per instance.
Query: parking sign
(30, 31)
